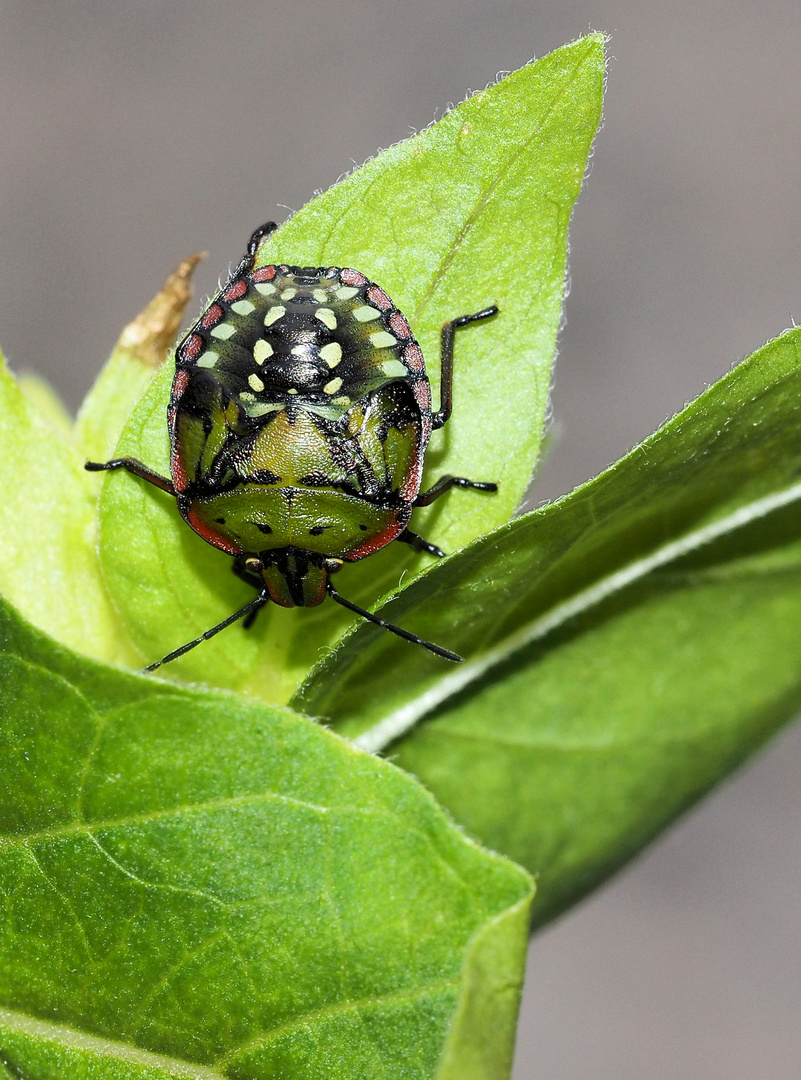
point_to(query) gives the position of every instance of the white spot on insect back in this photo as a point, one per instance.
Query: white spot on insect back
(331, 353)
(287, 294)
(255, 383)
(394, 368)
(262, 351)
(208, 359)
(326, 317)
(223, 331)
(320, 295)
(382, 340)
(366, 313)
(266, 288)
(274, 314)
(333, 386)
(243, 307)
(345, 292)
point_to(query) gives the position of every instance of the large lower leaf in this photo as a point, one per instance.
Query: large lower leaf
(626, 646)
(471, 211)
(200, 885)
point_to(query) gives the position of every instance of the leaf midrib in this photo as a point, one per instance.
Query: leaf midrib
(557, 744)
(398, 723)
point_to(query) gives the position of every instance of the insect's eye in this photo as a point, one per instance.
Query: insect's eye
(253, 565)
(332, 565)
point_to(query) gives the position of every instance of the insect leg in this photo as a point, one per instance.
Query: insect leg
(419, 544)
(253, 246)
(446, 384)
(445, 483)
(252, 605)
(135, 467)
(249, 578)
(436, 649)
(263, 230)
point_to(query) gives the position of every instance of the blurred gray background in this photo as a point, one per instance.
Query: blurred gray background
(133, 134)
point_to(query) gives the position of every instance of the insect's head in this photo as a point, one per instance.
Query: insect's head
(292, 577)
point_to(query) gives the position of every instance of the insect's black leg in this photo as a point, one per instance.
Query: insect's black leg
(249, 578)
(446, 384)
(257, 237)
(253, 246)
(436, 649)
(252, 605)
(135, 467)
(242, 572)
(445, 483)
(419, 544)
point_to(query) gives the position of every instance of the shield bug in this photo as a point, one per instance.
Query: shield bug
(299, 418)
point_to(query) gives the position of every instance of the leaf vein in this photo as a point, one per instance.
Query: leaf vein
(330, 1011)
(200, 807)
(397, 723)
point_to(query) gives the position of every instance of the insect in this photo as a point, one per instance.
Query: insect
(299, 418)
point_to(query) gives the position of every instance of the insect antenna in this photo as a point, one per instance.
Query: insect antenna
(251, 606)
(436, 649)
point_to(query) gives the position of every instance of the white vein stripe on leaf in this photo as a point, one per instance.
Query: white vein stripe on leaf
(398, 723)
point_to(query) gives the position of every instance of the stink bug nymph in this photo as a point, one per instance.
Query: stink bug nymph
(299, 418)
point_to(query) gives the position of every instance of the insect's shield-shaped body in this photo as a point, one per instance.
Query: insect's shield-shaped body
(299, 419)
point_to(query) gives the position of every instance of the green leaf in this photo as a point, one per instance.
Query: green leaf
(54, 1052)
(473, 210)
(202, 885)
(626, 646)
(49, 566)
(45, 402)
